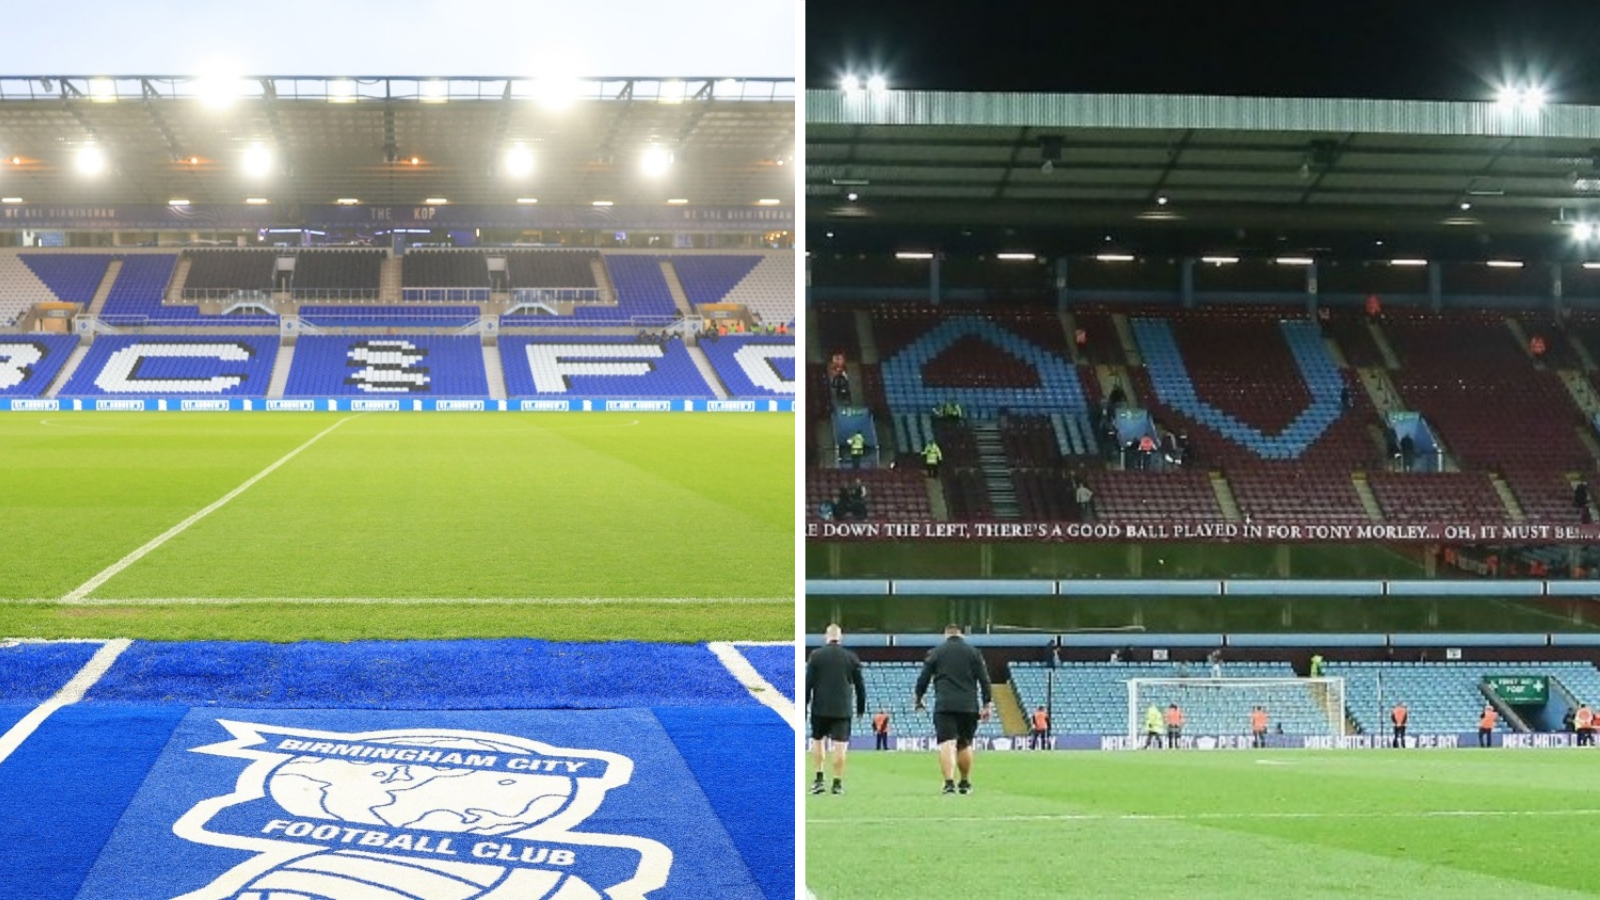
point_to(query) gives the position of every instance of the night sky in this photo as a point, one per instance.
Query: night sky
(1403, 49)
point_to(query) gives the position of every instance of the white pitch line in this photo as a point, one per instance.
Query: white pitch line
(1205, 817)
(759, 687)
(526, 601)
(110, 571)
(70, 693)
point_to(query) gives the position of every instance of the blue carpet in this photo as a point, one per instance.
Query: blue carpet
(776, 665)
(306, 786)
(36, 671)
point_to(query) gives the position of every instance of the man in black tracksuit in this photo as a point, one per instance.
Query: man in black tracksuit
(958, 675)
(832, 674)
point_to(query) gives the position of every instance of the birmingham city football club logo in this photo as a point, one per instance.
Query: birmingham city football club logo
(421, 814)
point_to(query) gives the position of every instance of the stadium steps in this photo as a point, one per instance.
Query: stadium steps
(1520, 335)
(67, 368)
(1582, 352)
(602, 280)
(1369, 500)
(1380, 390)
(1109, 376)
(827, 444)
(1583, 393)
(680, 298)
(936, 500)
(496, 374)
(104, 290)
(1225, 499)
(1335, 352)
(1130, 347)
(280, 371)
(858, 390)
(707, 372)
(180, 275)
(869, 341)
(1013, 721)
(1391, 360)
(1069, 325)
(1507, 498)
(996, 470)
(813, 339)
(389, 280)
(1508, 714)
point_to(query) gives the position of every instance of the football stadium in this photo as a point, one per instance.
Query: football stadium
(1248, 439)
(398, 487)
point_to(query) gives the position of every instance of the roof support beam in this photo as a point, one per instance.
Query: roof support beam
(150, 95)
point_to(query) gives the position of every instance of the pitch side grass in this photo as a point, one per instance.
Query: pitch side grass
(388, 510)
(1303, 824)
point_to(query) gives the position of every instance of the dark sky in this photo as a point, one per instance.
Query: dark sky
(1402, 49)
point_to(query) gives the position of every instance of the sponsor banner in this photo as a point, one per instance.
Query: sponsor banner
(1074, 532)
(1448, 741)
(465, 404)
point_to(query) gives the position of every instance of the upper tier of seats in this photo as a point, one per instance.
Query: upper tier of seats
(643, 297)
(136, 297)
(551, 268)
(26, 280)
(387, 366)
(349, 274)
(230, 270)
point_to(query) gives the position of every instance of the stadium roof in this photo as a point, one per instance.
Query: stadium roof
(169, 137)
(1196, 174)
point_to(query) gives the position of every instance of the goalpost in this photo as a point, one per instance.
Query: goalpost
(1222, 706)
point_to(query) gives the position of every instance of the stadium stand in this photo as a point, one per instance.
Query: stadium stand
(387, 366)
(30, 362)
(890, 687)
(453, 276)
(753, 365)
(212, 271)
(599, 366)
(72, 277)
(136, 298)
(551, 268)
(643, 298)
(709, 279)
(338, 274)
(175, 365)
(340, 316)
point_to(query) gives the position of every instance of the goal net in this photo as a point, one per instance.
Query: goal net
(1222, 706)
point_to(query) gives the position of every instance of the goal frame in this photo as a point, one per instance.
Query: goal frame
(1136, 716)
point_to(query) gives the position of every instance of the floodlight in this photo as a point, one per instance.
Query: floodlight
(1219, 260)
(347, 201)
(1408, 262)
(913, 254)
(852, 196)
(849, 84)
(1293, 260)
(436, 201)
(727, 87)
(519, 161)
(1533, 98)
(656, 160)
(342, 91)
(602, 203)
(672, 91)
(1115, 257)
(556, 92)
(1504, 264)
(218, 91)
(90, 160)
(877, 83)
(768, 201)
(102, 90)
(1015, 257)
(10, 199)
(1161, 200)
(1506, 97)
(435, 91)
(1583, 231)
(528, 200)
(677, 201)
(257, 161)
(256, 201)
(176, 202)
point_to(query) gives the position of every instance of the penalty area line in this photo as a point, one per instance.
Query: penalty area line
(109, 572)
(70, 693)
(412, 601)
(727, 652)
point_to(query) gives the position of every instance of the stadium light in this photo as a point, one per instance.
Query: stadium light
(1114, 257)
(1527, 98)
(1219, 260)
(1585, 231)
(877, 84)
(347, 201)
(435, 91)
(913, 254)
(257, 161)
(436, 201)
(1587, 265)
(528, 200)
(850, 84)
(177, 203)
(656, 160)
(602, 203)
(1408, 262)
(768, 201)
(1504, 264)
(1293, 260)
(677, 201)
(102, 90)
(10, 199)
(1016, 257)
(672, 91)
(1161, 200)
(256, 201)
(219, 91)
(852, 196)
(555, 91)
(90, 160)
(519, 161)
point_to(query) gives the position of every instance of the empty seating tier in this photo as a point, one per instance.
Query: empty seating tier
(175, 365)
(753, 365)
(213, 271)
(30, 362)
(596, 366)
(387, 366)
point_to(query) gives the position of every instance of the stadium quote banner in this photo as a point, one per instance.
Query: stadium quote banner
(1074, 532)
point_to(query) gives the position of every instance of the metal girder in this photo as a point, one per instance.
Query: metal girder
(150, 95)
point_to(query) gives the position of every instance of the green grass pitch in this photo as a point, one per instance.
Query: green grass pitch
(1230, 824)
(401, 507)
